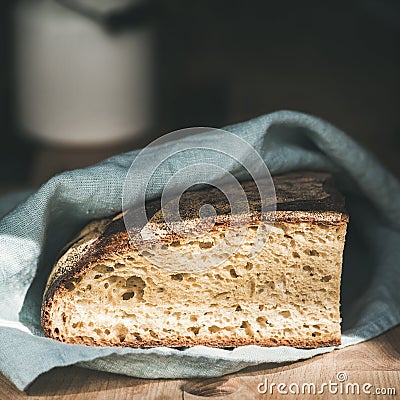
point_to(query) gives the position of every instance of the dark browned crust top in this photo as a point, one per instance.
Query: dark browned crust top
(309, 197)
(300, 197)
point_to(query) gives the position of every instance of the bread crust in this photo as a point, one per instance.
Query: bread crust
(323, 341)
(309, 197)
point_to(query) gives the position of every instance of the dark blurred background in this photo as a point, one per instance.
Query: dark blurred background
(210, 64)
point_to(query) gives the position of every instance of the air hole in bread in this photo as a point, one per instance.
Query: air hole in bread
(103, 268)
(196, 285)
(153, 334)
(214, 328)
(69, 286)
(285, 313)
(249, 266)
(247, 327)
(222, 294)
(262, 321)
(326, 278)
(252, 286)
(206, 245)
(128, 295)
(194, 329)
(233, 273)
(137, 283)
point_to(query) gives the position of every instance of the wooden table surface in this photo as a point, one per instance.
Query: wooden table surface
(376, 362)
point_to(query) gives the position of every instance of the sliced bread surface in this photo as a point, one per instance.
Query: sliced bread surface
(104, 290)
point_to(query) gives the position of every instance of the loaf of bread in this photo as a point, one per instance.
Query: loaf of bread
(104, 292)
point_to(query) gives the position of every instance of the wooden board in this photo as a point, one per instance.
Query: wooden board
(376, 362)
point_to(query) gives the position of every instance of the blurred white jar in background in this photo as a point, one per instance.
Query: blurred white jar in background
(78, 83)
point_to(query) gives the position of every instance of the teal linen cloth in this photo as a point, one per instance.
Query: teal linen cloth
(35, 230)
